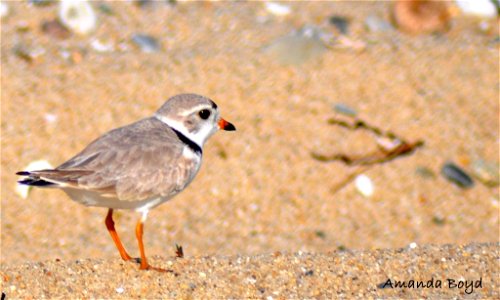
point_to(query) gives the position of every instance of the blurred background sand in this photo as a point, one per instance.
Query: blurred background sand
(259, 190)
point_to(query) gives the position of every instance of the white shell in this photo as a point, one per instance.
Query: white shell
(388, 144)
(4, 9)
(277, 9)
(101, 45)
(23, 190)
(364, 185)
(480, 8)
(77, 15)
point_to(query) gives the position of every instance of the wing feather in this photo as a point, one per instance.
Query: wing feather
(133, 163)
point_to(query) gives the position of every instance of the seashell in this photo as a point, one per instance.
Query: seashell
(364, 185)
(486, 172)
(102, 45)
(421, 16)
(479, 8)
(388, 144)
(376, 24)
(4, 10)
(277, 8)
(78, 16)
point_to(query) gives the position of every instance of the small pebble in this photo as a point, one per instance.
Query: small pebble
(55, 29)
(484, 26)
(41, 2)
(4, 10)
(144, 3)
(494, 201)
(364, 185)
(298, 47)
(120, 290)
(345, 110)
(320, 233)
(105, 9)
(78, 16)
(341, 23)
(28, 54)
(375, 24)
(425, 172)
(50, 118)
(413, 245)
(23, 190)
(277, 8)
(438, 220)
(146, 43)
(456, 175)
(152, 4)
(251, 280)
(341, 248)
(22, 26)
(487, 173)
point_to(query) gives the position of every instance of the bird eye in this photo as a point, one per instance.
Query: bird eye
(204, 114)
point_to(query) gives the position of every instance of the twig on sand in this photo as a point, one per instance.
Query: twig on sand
(390, 147)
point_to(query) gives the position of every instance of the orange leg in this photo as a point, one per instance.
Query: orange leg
(139, 231)
(110, 224)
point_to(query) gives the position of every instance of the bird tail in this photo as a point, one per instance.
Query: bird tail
(34, 180)
(51, 178)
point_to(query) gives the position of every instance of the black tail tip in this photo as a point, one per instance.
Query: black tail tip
(35, 182)
(23, 173)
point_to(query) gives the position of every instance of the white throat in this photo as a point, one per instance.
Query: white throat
(199, 137)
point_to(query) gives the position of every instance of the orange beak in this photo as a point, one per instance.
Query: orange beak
(225, 125)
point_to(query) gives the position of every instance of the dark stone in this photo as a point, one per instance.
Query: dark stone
(42, 2)
(55, 29)
(341, 23)
(456, 175)
(345, 110)
(146, 43)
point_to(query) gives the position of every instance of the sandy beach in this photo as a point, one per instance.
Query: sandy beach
(444, 272)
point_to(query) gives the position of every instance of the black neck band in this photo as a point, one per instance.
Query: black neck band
(192, 145)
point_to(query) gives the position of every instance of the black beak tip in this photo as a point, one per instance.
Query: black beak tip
(229, 127)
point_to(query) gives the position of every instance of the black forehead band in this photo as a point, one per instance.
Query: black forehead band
(214, 106)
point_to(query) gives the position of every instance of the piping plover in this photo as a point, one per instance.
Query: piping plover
(138, 166)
